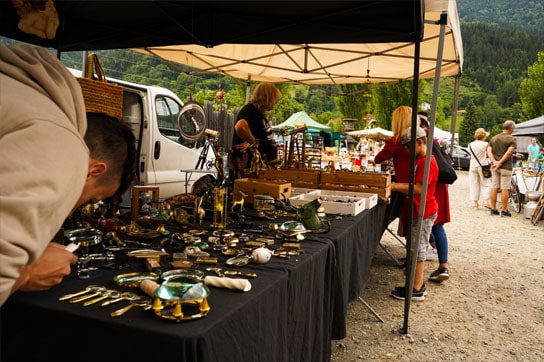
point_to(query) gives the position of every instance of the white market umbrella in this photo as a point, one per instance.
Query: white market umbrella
(373, 133)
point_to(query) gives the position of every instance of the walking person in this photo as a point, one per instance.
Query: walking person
(500, 150)
(478, 184)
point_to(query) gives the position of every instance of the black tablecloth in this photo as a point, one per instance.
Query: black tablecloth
(294, 309)
(355, 239)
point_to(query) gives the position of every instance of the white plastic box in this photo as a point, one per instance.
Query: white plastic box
(371, 200)
(334, 203)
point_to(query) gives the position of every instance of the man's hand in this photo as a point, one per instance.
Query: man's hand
(47, 271)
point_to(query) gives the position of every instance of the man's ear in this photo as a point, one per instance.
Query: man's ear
(96, 168)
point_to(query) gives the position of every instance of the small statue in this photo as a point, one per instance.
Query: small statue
(257, 163)
(199, 212)
(239, 202)
(220, 166)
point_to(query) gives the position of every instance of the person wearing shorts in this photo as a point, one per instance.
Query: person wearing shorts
(499, 151)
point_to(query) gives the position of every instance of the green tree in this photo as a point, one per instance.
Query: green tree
(469, 124)
(531, 90)
(336, 125)
(491, 112)
(387, 97)
(351, 102)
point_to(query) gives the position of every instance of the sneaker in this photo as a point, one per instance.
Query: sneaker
(419, 296)
(439, 275)
(432, 254)
(494, 212)
(505, 213)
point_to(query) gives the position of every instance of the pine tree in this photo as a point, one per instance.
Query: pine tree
(469, 124)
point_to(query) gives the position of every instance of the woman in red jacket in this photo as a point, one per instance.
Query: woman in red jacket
(393, 149)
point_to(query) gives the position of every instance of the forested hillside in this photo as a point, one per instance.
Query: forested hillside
(497, 59)
(524, 15)
(501, 39)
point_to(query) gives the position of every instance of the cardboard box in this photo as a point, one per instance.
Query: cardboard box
(367, 182)
(252, 186)
(297, 177)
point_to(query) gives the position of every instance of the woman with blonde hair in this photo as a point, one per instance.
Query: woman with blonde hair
(252, 126)
(478, 184)
(393, 149)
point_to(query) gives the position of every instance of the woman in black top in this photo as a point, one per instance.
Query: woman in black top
(252, 126)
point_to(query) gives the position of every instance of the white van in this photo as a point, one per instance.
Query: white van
(173, 144)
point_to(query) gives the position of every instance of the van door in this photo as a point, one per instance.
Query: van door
(171, 153)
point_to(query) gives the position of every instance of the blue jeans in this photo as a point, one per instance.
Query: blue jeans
(440, 239)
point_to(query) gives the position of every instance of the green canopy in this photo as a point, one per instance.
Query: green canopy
(302, 117)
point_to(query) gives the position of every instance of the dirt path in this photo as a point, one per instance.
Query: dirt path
(491, 308)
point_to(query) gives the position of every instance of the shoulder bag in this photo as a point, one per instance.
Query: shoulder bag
(486, 169)
(446, 172)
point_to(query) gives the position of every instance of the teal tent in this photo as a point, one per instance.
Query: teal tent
(302, 117)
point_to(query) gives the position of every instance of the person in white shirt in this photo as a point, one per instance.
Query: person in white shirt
(478, 184)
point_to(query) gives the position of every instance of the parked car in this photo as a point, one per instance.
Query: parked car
(461, 158)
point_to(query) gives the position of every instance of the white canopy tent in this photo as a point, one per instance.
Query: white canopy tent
(329, 42)
(376, 132)
(438, 54)
(330, 63)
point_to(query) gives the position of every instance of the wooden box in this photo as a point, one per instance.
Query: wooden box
(369, 182)
(297, 177)
(252, 186)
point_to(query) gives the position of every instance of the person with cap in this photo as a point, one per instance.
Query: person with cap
(478, 184)
(500, 150)
(430, 208)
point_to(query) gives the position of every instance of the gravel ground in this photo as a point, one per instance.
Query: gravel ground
(490, 309)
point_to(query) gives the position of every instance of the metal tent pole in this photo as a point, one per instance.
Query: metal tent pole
(413, 245)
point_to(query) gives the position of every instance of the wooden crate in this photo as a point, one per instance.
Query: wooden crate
(297, 177)
(252, 186)
(370, 182)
